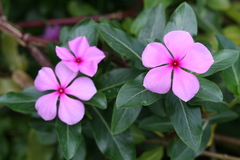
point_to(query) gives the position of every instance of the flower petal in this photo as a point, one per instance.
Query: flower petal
(155, 54)
(70, 111)
(46, 80)
(158, 79)
(198, 59)
(79, 46)
(185, 85)
(88, 68)
(46, 106)
(93, 54)
(178, 43)
(82, 88)
(64, 54)
(64, 74)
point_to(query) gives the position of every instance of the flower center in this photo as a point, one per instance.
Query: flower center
(175, 63)
(61, 90)
(78, 60)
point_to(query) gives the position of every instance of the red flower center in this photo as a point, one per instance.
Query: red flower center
(78, 60)
(175, 63)
(61, 90)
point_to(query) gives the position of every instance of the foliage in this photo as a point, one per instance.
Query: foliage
(124, 120)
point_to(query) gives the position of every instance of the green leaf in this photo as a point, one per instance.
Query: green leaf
(152, 3)
(81, 152)
(84, 28)
(222, 60)
(137, 134)
(186, 120)
(209, 91)
(183, 18)
(231, 75)
(182, 152)
(22, 102)
(140, 21)
(122, 118)
(208, 20)
(64, 34)
(218, 4)
(110, 82)
(115, 147)
(133, 94)
(122, 43)
(219, 107)
(98, 100)
(154, 26)
(41, 125)
(223, 117)
(69, 137)
(155, 154)
(155, 123)
(158, 108)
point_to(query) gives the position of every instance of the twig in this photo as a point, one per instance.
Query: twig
(71, 21)
(27, 41)
(219, 156)
(227, 139)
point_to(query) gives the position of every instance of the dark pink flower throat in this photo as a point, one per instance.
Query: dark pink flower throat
(78, 60)
(61, 90)
(175, 63)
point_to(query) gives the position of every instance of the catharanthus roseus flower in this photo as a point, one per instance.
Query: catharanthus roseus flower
(168, 68)
(70, 110)
(84, 58)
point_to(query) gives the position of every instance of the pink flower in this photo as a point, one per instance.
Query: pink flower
(70, 110)
(84, 58)
(169, 69)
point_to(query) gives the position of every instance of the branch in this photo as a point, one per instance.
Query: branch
(71, 21)
(220, 156)
(27, 41)
(223, 138)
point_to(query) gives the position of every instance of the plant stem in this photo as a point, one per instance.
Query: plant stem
(227, 139)
(71, 21)
(234, 101)
(219, 156)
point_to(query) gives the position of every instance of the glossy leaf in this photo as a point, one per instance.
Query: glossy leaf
(122, 43)
(186, 120)
(122, 118)
(223, 117)
(183, 18)
(218, 4)
(69, 137)
(22, 102)
(140, 21)
(137, 134)
(158, 108)
(115, 147)
(209, 91)
(152, 3)
(219, 107)
(110, 82)
(182, 152)
(154, 26)
(231, 75)
(222, 60)
(63, 37)
(84, 28)
(81, 151)
(133, 94)
(155, 154)
(155, 123)
(98, 100)
(41, 125)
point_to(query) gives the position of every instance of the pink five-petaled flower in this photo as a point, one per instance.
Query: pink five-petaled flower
(85, 58)
(167, 68)
(70, 110)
